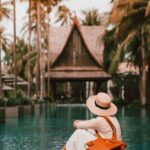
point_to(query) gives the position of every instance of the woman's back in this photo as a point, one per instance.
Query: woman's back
(101, 125)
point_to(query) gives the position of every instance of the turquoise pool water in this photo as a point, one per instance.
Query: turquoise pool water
(50, 127)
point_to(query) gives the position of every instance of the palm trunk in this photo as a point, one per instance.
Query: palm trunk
(15, 61)
(1, 90)
(41, 55)
(0, 60)
(48, 61)
(42, 71)
(38, 54)
(29, 50)
(39, 50)
(143, 76)
(42, 88)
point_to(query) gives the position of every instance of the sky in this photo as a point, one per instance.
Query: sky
(74, 5)
(78, 5)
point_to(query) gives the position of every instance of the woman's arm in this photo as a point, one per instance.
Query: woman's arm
(86, 124)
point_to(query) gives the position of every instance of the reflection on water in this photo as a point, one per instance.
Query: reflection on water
(135, 127)
(49, 127)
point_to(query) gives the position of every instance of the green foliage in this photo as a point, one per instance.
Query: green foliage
(103, 87)
(110, 47)
(24, 101)
(132, 23)
(21, 56)
(49, 99)
(61, 87)
(19, 100)
(91, 17)
(2, 102)
(128, 83)
(12, 102)
(116, 89)
(123, 43)
(119, 102)
(64, 15)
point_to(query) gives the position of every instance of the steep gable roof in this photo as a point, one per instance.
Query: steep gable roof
(91, 36)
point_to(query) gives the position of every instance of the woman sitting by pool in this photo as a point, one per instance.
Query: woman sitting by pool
(100, 105)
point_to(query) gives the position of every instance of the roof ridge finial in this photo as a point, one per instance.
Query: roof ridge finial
(75, 19)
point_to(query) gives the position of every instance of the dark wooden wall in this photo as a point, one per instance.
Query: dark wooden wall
(75, 53)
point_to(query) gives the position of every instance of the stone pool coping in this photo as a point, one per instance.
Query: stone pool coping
(18, 111)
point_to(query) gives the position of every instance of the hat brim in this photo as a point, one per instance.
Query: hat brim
(112, 110)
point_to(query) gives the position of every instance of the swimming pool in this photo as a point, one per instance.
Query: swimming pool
(49, 128)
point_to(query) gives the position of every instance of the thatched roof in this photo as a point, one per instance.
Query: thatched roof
(7, 88)
(70, 75)
(92, 35)
(9, 78)
(81, 73)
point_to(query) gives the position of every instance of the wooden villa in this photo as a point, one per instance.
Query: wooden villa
(76, 54)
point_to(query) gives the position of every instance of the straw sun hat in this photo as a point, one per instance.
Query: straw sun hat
(101, 105)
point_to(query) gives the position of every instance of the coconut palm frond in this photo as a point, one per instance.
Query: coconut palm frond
(125, 44)
(115, 61)
(121, 51)
(64, 16)
(123, 8)
(147, 12)
(131, 22)
(91, 17)
(5, 12)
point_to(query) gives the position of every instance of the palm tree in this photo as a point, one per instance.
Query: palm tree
(64, 16)
(39, 61)
(48, 5)
(5, 42)
(4, 10)
(14, 47)
(0, 60)
(91, 17)
(110, 46)
(132, 17)
(48, 56)
(29, 50)
(22, 56)
(39, 10)
(4, 13)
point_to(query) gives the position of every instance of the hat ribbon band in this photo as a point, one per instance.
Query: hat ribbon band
(101, 107)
